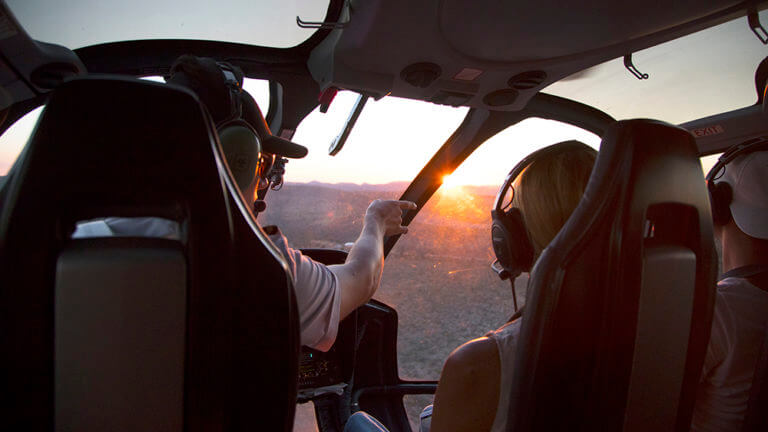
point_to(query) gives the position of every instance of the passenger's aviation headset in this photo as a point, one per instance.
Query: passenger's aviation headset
(721, 194)
(509, 234)
(239, 140)
(511, 242)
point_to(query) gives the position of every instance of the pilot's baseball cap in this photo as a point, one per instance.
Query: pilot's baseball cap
(748, 177)
(270, 143)
(219, 87)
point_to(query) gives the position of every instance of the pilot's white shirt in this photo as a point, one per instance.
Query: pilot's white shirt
(318, 294)
(738, 331)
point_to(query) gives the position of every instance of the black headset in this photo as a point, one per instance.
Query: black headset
(509, 234)
(233, 79)
(721, 194)
(239, 140)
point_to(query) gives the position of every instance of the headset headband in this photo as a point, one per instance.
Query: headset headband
(523, 164)
(235, 87)
(231, 76)
(755, 144)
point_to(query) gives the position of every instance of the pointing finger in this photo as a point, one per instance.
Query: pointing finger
(409, 205)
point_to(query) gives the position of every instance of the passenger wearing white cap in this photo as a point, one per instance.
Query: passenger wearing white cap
(738, 186)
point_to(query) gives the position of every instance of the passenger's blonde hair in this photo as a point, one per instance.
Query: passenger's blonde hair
(549, 189)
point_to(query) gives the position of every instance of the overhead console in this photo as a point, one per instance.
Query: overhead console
(493, 55)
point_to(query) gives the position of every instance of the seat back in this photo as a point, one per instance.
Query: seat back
(194, 333)
(755, 418)
(620, 303)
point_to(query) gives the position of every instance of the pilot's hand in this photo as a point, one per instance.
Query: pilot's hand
(388, 215)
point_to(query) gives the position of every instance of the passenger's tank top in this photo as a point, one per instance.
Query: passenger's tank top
(506, 339)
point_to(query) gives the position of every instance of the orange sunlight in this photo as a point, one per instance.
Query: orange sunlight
(452, 183)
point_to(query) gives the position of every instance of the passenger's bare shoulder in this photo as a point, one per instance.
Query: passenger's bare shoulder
(480, 351)
(468, 391)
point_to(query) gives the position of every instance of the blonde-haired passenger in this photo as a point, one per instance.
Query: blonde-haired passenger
(472, 394)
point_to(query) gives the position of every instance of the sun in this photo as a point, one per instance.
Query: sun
(451, 181)
(453, 184)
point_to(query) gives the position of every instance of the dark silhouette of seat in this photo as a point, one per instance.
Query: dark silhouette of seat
(125, 333)
(755, 418)
(620, 303)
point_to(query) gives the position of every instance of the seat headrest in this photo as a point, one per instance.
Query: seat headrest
(147, 150)
(645, 206)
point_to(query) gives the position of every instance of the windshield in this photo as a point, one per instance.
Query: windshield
(79, 23)
(695, 76)
(324, 197)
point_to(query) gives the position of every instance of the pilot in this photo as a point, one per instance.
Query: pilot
(324, 294)
(738, 185)
(469, 396)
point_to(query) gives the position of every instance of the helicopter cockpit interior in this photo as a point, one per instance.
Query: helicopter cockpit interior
(431, 102)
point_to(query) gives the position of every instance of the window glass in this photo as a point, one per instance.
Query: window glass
(698, 75)
(15, 138)
(707, 162)
(259, 89)
(324, 197)
(80, 23)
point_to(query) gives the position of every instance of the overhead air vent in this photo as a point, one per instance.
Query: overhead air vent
(421, 75)
(527, 80)
(500, 97)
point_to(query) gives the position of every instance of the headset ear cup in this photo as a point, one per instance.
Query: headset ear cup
(511, 243)
(521, 242)
(500, 241)
(720, 196)
(242, 150)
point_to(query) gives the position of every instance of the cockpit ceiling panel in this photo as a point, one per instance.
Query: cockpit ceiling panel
(517, 31)
(492, 53)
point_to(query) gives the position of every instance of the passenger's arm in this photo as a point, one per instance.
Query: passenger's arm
(468, 391)
(359, 276)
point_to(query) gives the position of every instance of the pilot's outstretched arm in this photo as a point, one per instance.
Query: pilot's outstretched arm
(327, 294)
(360, 275)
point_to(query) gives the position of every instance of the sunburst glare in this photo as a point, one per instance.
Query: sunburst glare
(453, 182)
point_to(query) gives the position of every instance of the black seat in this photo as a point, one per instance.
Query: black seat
(197, 333)
(620, 303)
(755, 418)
